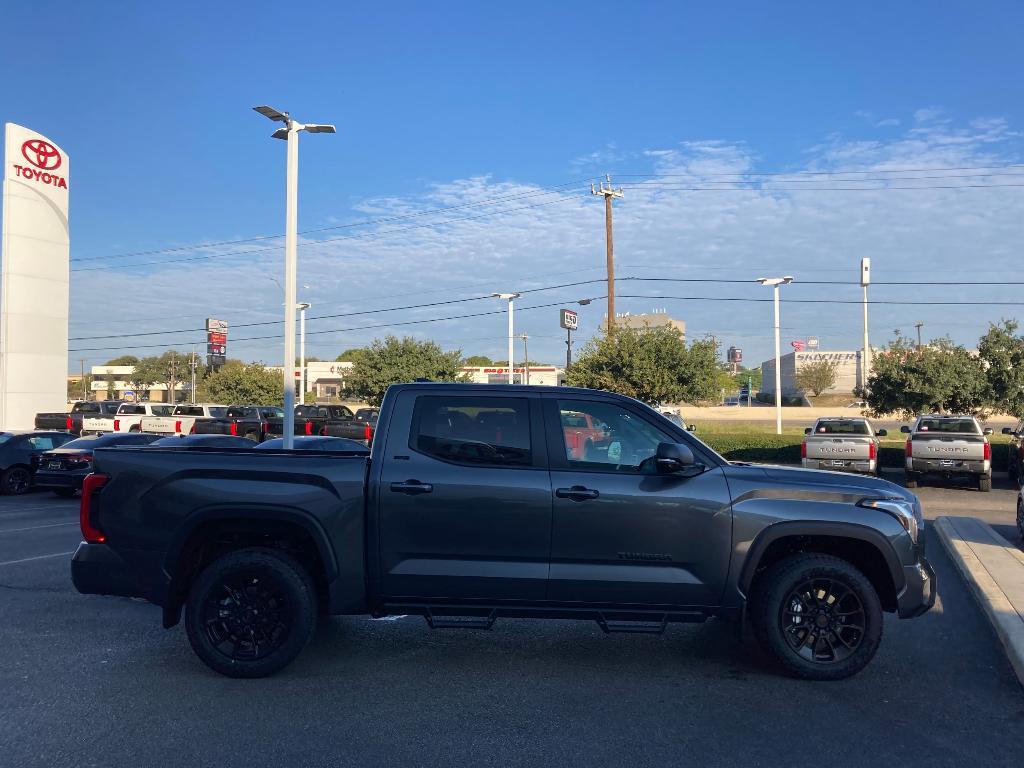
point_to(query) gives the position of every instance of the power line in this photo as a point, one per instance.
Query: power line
(829, 173)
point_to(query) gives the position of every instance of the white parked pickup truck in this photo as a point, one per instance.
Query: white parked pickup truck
(126, 419)
(182, 419)
(843, 445)
(948, 446)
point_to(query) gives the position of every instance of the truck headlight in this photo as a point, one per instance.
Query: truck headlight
(901, 509)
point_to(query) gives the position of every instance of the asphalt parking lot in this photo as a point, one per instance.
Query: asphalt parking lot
(96, 681)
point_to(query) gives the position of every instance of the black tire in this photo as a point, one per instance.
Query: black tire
(65, 493)
(224, 605)
(832, 591)
(254, 436)
(1020, 518)
(16, 480)
(135, 428)
(984, 483)
(911, 481)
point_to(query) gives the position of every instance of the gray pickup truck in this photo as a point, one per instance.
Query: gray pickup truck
(474, 504)
(947, 447)
(842, 445)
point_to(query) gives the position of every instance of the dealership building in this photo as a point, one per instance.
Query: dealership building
(849, 373)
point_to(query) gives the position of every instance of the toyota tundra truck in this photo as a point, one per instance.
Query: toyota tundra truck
(127, 418)
(473, 505)
(182, 419)
(842, 445)
(71, 421)
(947, 447)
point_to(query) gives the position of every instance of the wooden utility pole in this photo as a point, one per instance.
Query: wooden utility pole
(85, 391)
(918, 326)
(609, 193)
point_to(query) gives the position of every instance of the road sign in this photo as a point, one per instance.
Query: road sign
(568, 319)
(812, 342)
(128, 397)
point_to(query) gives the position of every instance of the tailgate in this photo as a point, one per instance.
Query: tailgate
(845, 448)
(958, 447)
(161, 425)
(98, 424)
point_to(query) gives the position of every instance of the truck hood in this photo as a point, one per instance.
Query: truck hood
(836, 482)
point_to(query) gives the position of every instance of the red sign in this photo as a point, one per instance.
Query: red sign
(216, 338)
(797, 345)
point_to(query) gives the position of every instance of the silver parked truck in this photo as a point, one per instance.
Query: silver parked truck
(948, 446)
(842, 445)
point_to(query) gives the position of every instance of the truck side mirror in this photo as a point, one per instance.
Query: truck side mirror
(674, 457)
(1007, 430)
(691, 428)
(987, 431)
(882, 433)
(905, 429)
(807, 430)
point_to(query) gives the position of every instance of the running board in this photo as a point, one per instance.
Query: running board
(611, 626)
(460, 622)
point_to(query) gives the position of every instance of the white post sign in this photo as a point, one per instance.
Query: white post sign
(34, 279)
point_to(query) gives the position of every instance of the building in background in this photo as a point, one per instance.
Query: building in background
(537, 375)
(656, 319)
(848, 372)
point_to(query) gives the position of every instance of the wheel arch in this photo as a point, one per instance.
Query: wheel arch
(214, 531)
(864, 547)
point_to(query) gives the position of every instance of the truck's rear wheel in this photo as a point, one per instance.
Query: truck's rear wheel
(985, 483)
(818, 615)
(911, 480)
(250, 612)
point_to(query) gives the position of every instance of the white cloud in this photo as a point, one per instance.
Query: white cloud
(693, 221)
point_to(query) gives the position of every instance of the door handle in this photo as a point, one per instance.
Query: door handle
(412, 487)
(577, 493)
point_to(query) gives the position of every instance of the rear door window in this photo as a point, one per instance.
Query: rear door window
(471, 430)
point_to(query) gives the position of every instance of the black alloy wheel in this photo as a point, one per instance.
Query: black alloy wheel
(823, 620)
(16, 481)
(818, 615)
(250, 612)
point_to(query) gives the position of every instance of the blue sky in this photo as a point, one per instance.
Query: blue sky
(456, 103)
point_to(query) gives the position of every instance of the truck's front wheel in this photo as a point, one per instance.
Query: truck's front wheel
(985, 483)
(818, 615)
(250, 612)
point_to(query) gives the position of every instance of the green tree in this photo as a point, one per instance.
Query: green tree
(75, 387)
(123, 360)
(394, 360)
(817, 376)
(238, 383)
(941, 376)
(161, 370)
(1002, 352)
(478, 360)
(651, 364)
(753, 375)
(352, 355)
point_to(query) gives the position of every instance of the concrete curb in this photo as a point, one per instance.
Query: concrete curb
(994, 570)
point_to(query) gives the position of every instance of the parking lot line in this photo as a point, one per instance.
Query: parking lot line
(34, 527)
(37, 557)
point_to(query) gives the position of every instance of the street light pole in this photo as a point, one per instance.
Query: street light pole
(291, 134)
(303, 306)
(511, 333)
(865, 363)
(775, 282)
(526, 359)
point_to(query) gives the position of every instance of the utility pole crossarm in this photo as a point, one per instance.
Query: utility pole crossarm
(609, 193)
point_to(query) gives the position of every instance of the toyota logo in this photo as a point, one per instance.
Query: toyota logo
(42, 154)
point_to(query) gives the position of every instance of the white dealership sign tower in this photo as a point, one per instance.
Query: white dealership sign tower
(34, 283)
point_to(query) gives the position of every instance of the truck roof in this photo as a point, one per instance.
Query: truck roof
(457, 386)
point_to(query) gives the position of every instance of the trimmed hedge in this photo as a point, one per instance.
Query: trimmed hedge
(785, 449)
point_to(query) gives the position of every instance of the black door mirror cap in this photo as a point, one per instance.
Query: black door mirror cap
(882, 432)
(905, 429)
(807, 430)
(1007, 430)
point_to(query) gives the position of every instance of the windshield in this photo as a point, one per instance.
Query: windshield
(957, 426)
(851, 427)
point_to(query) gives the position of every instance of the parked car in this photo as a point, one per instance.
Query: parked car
(1015, 452)
(17, 452)
(732, 401)
(63, 469)
(311, 420)
(128, 418)
(493, 514)
(202, 441)
(842, 445)
(249, 421)
(948, 446)
(71, 421)
(314, 443)
(182, 419)
(357, 429)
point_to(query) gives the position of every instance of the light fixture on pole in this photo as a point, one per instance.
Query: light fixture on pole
(511, 333)
(303, 306)
(291, 134)
(775, 282)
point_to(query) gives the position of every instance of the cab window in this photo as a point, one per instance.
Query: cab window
(608, 437)
(473, 430)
